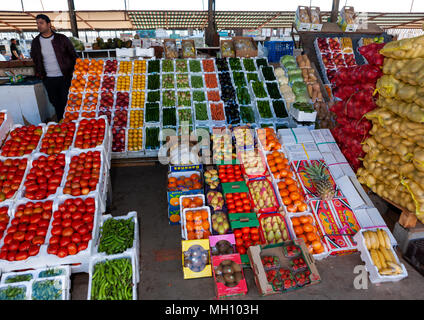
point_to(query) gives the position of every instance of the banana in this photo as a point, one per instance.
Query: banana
(387, 256)
(392, 256)
(375, 258)
(382, 260)
(376, 243)
(387, 239)
(381, 239)
(386, 272)
(395, 266)
(367, 240)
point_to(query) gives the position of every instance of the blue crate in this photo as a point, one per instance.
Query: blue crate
(277, 49)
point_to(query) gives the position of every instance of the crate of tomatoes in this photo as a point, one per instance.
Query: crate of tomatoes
(237, 198)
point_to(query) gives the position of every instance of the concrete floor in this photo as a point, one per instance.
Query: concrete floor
(143, 189)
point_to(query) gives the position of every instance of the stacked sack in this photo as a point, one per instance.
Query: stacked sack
(354, 86)
(394, 163)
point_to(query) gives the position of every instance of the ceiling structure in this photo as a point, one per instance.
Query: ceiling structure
(18, 21)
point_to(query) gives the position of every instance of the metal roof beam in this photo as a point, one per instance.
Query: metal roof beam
(11, 25)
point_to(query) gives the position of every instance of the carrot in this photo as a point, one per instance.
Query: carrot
(217, 111)
(210, 80)
(208, 65)
(214, 95)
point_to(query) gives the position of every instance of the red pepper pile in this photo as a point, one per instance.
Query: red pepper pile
(355, 87)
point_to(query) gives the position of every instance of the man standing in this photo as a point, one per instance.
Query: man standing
(14, 50)
(54, 57)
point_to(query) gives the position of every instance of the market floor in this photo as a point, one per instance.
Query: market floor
(143, 189)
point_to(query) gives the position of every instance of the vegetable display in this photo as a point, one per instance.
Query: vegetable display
(153, 96)
(211, 81)
(201, 111)
(235, 64)
(268, 73)
(112, 280)
(252, 76)
(152, 138)
(249, 65)
(153, 82)
(181, 65)
(247, 114)
(239, 79)
(264, 109)
(196, 82)
(199, 96)
(221, 64)
(195, 66)
(261, 62)
(208, 65)
(258, 89)
(167, 65)
(19, 278)
(169, 117)
(182, 80)
(243, 95)
(279, 108)
(184, 116)
(217, 111)
(49, 289)
(13, 293)
(273, 91)
(168, 81)
(184, 98)
(152, 112)
(168, 98)
(116, 236)
(153, 66)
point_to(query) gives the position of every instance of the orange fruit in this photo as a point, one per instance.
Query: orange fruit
(189, 216)
(186, 202)
(308, 227)
(284, 193)
(317, 246)
(206, 234)
(197, 216)
(273, 169)
(198, 235)
(291, 208)
(279, 160)
(302, 207)
(298, 230)
(304, 219)
(281, 185)
(287, 201)
(289, 181)
(271, 163)
(190, 226)
(205, 215)
(198, 227)
(292, 188)
(294, 196)
(198, 201)
(275, 154)
(302, 236)
(284, 173)
(295, 221)
(311, 236)
(191, 236)
(269, 157)
(280, 166)
(205, 225)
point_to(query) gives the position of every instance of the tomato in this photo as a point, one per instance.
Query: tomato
(87, 218)
(76, 224)
(41, 231)
(47, 205)
(246, 208)
(245, 236)
(77, 215)
(52, 249)
(54, 240)
(14, 245)
(19, 236)
(247, 243)
(86, 237)
(11, 256)
(72, 248)
(3, 255)
(4, 248)
(230, 201)
(67, 232)
(243, 195)
(239, 242)
(76, 237)
(241, 250)
(56, 230)
(239, 210)
(24, 246)
(8, 239)
(22, 227)
(239, 203)
(27, 219)
(32, 227)
(35, 218)
(245, 230)
(254, 230)
(231, 206)
(43, 223)
(33, 250)
(15, 221)
(46, 215)
(229, 195)
(82, 246)
(66, 215)
(57, 215)
(66, 223)
(62, 252)
(38, 240)
(254, 237)
(64, 241)
(22, 255)
(83, 230)
(57, 222)
(238, 233)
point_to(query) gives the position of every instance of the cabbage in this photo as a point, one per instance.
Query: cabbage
(302, 97)
(287, 58)
(291, 65)
(296, 78)
(299, 88)
(279, 72)
(293, 72)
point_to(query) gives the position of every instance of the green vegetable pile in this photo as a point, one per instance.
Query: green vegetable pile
(184, 115)
(199, 96)
(49, 289)
(279, 108)
(13, 293)
(243, 96)
(235, 63)
(201, 111)
(181, 65)
(182, 80)
(264, 109)
(273, 91)
(261, 62)
(168, 81)
(195, 66)
(19, 278)
(168, 98)
(169, 117)
(167, 65)
(116, 235)
(184, 98)
(196, 82)
(247, 114)
(112, 280)
(249, 65)
(185, 130)
(239, 79)
(305, 107)
(152, 138)
(153, 96)
(268, 74)
(53, 272)
(153, 82)
(153, 66)
(152, 112)
(258, 89)
(252, 76)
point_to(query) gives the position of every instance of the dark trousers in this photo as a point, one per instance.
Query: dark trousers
(57, 90)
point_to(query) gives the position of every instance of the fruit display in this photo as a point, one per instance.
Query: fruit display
(211, 179)
(196, 258)
(269, 140)
(319, 176)
(104, 272)
(222, 247)
(77, 83)
(137, 99)
(208, 65)
(120, 118)
(211, 81)
(238, 202)
(138, 82)
(44, 177)
(273, 228)
(106, 100)
(136, 119)
(135, 139)
(123, 83)
(22, 140)
(191, 202)
(230, 173)
(252, 163)
(139, 67)
(246, 237)
(81, 66)
(244, 137)
(11, 174)
(184, 183)
(74, 102)
(92, 84)
(125, 67)
(90, 133)
(304, 227)
(83, 175)
(72, 227)
(221, 225)
(122, 100)
(380, 250)
(58, 137)
(90, 101)
(118, 139)
(217, 111)
(27, 231)
(197, 223)
(181, 65)
(215, 200)
(263, 196)
(111, 66)
(108, 83)
(229, 273)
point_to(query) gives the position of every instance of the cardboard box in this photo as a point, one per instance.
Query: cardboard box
(188, 48)
(222, 291)
(219, 240)
(302, 19)
(227, 49)
(245, 47)
(278, 250)
(347, 19)
(316, 21)
(189, 246)
(170, 46)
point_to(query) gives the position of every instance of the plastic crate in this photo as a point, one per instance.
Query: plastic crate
(414, 255)
(277, 49)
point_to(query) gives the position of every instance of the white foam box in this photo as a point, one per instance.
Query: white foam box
(25, 285)
(303, 116)
(302, 151)
(374, 275)
(295, 136)
(100, 258)
(35, 274)
(6, 125)
(61, 281)
(338, 164)
(136, 242)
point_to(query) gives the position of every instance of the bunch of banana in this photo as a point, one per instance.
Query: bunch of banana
(378, 244)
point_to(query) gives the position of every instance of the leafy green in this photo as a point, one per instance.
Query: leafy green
(247, 114)
(252, 76)
(264, 109)
(243, 95)
(195, 66)
(273, 90)
(239, 79)
(305, 107)
(153, 82)
(196, 82)
(168, 98)
(153, 66)
(268, 73)
(169, 117)
(258, 89)
(279, 108)
(199, 96)
(249, 64)
(235, 63)
(201, 111)
(167, 65)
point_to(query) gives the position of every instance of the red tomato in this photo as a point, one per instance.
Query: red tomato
(231, 207)
(82, 246)
(43, 223)
(87, 218)
(54, 240)
(72, 248)
(56, 230)
(38, 240)
(57, 222)
(8, 239)
(52, 249)
(254, 237)
(62, 252)
(245, 236)
(64, 241)
(24, 246)
(243, 195)
(4, 248)
(86, 237)
(66, 223)
(33, 250)
(239, 203)
(238, 233)
(42, 231)
(239, 242)
(67, 232)
(76, 224)
(77, 215)
(83, 230)
(35, 218)
(247, 243)
(3, 255)
(14, 245)
(22, 255)
(11, 256)
(241, 250)
(32, 227)
(19, 236)
(76, 237)
(254, 230)
(66, 215)
(245, 230)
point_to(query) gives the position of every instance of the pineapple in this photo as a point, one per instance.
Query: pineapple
(321, 180)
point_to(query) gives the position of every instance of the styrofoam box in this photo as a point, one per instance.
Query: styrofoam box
(136, 242)
(6, 125)
(43, 128)
(290, 215)
(64, 270)
(302, 151)
(374, 275)
(100, 258)
(294, 136)
(303, 116)
(140, 52)
(25, 285)
(183, 218)
(61, 281)
(182, 210)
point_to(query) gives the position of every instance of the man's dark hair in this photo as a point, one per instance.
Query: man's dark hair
(44, 17)
(13, 39)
